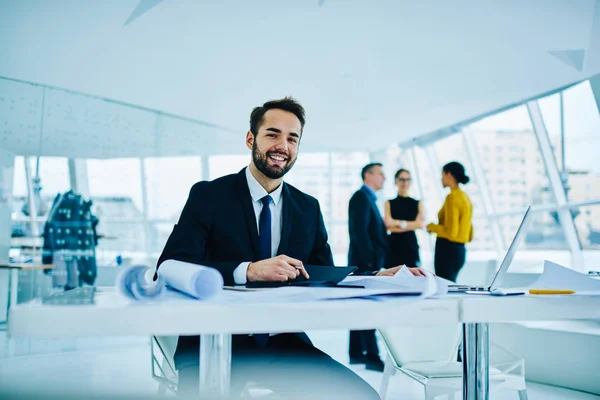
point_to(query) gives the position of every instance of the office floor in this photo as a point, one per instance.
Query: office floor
(121, 367)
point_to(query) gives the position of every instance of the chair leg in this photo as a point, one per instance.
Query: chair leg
(388, 372)
(523, 394)
(162, 390)
(433, 392)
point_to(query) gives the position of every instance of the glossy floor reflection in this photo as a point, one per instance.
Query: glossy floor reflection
(121, 367)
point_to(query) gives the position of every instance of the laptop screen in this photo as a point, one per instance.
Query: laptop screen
(512, 249)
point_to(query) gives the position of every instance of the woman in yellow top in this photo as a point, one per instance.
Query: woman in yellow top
(454, 228)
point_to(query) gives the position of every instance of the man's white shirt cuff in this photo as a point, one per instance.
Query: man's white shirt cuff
(239, 274)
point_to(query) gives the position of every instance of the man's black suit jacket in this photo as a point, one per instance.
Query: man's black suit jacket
(218, 228)
(368, 234)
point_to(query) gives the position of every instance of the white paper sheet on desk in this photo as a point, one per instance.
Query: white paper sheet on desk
(295, 294)
(427, 286)
(557, 277)
(411, 286)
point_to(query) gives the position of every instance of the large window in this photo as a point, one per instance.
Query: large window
(579, 122)
(508, 169)
(224, 165)
(119, 177)
(53, 173)
(53, 177)
(158, 235)
(511, 161)
(168, 183)
(587, 220)
(116, 188)
(331, 178)
(19, 181)
(139, 199)
(544, 232)
(312, 175)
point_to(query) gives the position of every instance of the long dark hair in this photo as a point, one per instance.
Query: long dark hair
(457, 170)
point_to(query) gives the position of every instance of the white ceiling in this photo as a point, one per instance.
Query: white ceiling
(368, 72)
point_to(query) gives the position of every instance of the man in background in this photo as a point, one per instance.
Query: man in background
(367, 251)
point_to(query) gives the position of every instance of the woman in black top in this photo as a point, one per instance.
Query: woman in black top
(403, 215)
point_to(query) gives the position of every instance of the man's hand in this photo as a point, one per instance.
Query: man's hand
(417, 271)
(392, 271)
(277, 269)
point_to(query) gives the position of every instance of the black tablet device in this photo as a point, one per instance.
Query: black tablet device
(320, 275)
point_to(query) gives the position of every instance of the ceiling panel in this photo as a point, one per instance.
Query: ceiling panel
(369, 73)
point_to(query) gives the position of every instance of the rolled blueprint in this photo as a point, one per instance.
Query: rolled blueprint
(194, 280)
(132, 283)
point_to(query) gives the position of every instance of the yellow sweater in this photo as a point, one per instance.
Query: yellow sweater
(455, 218)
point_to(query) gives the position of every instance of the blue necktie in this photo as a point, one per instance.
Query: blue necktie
(264, 241)
(264, 228)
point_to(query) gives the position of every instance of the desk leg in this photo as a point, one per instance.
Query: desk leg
(215, 365)
(475, 358)
(14, 287)
(4, 295)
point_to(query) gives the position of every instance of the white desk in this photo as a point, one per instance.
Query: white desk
(477, 308)
(113, 315)
(9, 283)
(477, 311)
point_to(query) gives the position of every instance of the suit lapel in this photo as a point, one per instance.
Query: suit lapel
(286, 216)
(246, 203)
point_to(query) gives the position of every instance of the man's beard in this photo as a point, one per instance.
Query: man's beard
(262, 163)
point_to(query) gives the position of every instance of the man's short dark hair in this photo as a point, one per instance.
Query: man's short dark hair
(288, 104)
(368, 168)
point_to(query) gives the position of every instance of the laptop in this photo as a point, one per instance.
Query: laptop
(508, 258)
(320, 275)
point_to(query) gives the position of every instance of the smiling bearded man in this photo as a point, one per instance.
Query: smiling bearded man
(254, 227)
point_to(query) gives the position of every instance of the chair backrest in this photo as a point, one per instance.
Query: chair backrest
(422, 343)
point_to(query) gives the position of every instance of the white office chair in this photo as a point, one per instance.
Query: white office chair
(162, 350)
(163, 366)
(428, 355)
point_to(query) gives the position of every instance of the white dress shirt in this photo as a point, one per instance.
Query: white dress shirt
(257, 192)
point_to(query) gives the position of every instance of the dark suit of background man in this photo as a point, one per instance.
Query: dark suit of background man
(368, 251)
(231, 225)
